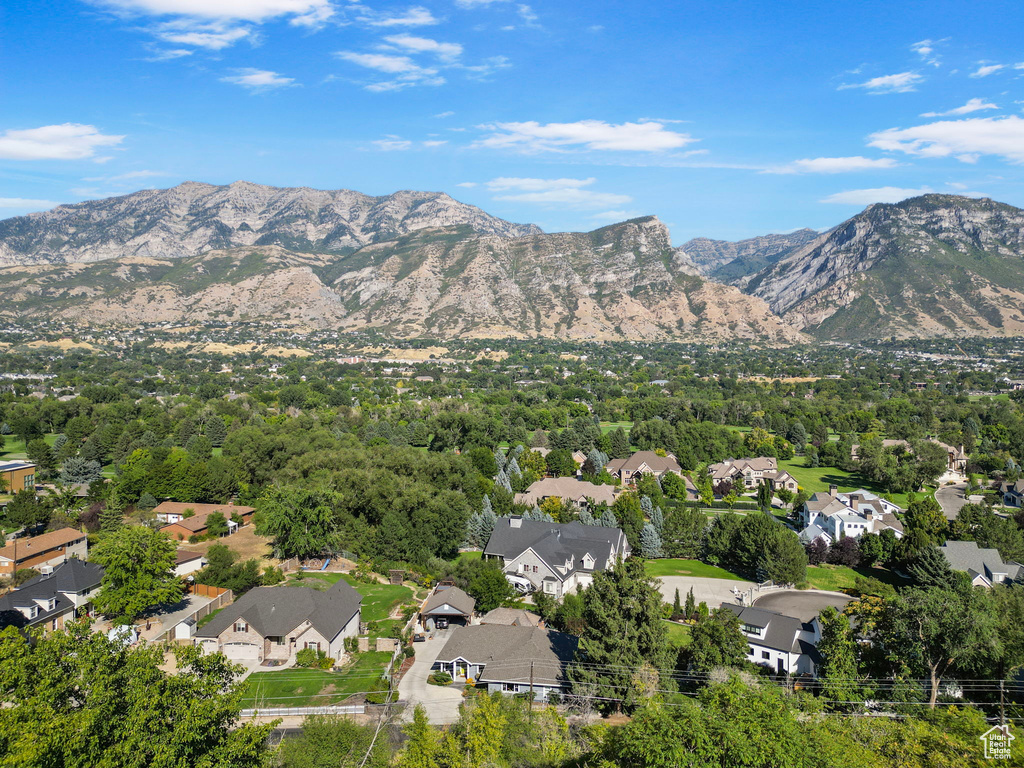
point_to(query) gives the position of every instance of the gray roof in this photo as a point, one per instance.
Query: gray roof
(556, 542)
(967, 556)
(74, 576)
(650, 458)
(566, 488)
(511, 617)
(812, 532)
(452, 596)
(507, 653)
(780, 630)
(276, 611)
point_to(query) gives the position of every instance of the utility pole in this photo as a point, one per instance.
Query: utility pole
(531, 690)
(1002, 703)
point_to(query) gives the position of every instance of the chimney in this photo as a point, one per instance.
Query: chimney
(515, 522)
(833, 490)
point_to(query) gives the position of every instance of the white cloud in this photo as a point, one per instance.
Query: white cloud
(408, 72)
(877, 195)
(972, 105)
(417, 16)
(214, 36)
(964, 139)
(127, 176)
(26, 204)
(392, 144)
(902, 82)
(614, 216)
(529, 17)
(926, 50)
(299, 11)
(68, 141)
(449, 113)
(170, 55)
(476, 3)
(833, 165)
(569, 192)
(584, 134)
(488, 67)
(258, 79)
(466, 184)
(434, 143)
(987, 69)
(444, 51)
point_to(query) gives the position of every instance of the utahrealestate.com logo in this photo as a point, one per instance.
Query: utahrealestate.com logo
(997, 742)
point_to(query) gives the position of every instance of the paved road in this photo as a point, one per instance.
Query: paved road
(441, 703)
(714, 592)
(951, 499)
(803, 604)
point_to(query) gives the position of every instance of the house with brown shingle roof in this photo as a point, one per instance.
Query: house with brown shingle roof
(643, 463)
(750, 472)
(568, 489)
(182, 525)
(41, 552)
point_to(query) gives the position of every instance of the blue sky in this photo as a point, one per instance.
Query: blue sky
(726, 119)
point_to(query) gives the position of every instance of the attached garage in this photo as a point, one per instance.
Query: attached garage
(241, 651)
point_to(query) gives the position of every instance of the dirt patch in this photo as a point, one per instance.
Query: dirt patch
(245, 543)
(64, 344)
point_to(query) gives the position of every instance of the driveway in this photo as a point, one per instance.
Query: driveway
(802, 604)
(951, 499)
(165, 617)
(441, 703)
(714, 592)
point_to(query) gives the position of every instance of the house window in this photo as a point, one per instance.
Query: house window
(752, 630)
(549, 587)
(765, 655)
(535, 569)
(509, 687)
(314, 646)
(241, 626)
(30, 481)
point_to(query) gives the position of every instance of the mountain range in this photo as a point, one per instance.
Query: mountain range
(423, 264)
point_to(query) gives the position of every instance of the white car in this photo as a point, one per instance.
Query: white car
(521, 585)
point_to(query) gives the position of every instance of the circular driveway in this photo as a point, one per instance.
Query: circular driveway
(802, 604)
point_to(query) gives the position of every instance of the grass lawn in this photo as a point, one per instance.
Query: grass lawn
(836, 578)
(677, 567)
(678, 634)
(475, 555)
(15, 449)
(379, 600)
(307, 687)
(814, 479)
(611, 426)
(207, 618)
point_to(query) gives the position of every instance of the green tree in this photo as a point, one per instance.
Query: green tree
(74, 698)
(624, 630)
(631, 519)
(423, 743)
(216, 432)
(138, 572)
(716, 641)
(216, 524)
(302, 522)
(26, 510)
(112, 514)
(931, 569)
(838, 648)
(618, 446)
(490, 589)
(331, 741)
(683, 533)
(39, 453)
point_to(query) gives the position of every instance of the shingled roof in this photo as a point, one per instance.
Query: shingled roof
(566, 488)
(507, 653)
(452, 596)
(556, 543)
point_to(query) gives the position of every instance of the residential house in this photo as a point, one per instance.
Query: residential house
(750, 472)
(509, 659)
(278, 622)
(186, 562)
(784, 644)
(52, 599)
(450, 603)
(555, 557)
(984, 566)
(832, 516)
(40, 552)
(512, 617)
(1012, 493)
(643, 463)
(17, 476)
(182, 525)
(569, 489)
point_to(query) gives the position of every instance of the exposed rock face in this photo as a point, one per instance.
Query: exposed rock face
(930, 265)
(193, 218)
(619, 282)
(733, 262)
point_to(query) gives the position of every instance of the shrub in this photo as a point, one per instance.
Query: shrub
(351, 644)
(311, 657)
(439, 678)
(272, 576)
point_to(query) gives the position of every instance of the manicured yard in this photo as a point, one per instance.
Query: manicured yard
(677, 567)
(379, 600)
(678, 634)
(473, 555)
(814, 479)
(611, 426)
(306, 687)
(836, 578)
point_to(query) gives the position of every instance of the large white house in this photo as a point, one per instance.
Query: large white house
(555, 557)
(785, 644)
(832, 516)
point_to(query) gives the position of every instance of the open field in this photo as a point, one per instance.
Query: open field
(677, 567)
(245, 543)
(308, 687)
(611, 426)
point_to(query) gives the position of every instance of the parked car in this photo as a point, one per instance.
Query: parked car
(419, 637)
(441, 623)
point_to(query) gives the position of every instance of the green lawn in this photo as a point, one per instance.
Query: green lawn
(15, 449)
(306, 687)
(678, 634)
(815, 479)
(837, 578)
(677, 567)
(378, 599)
(475, 555)
(611, 426)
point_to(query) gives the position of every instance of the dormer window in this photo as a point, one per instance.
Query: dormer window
(750, 629)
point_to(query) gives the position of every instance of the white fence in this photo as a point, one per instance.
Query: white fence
(340, 709)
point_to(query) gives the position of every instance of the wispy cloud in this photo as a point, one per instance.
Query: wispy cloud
(902, 82)
(392, 144)
(258, 79)
(477, 3)
(449, 113)
(447, 52)
(987, 69)
(565, 192)
(417, 16)
(833, 165)
(213, 36)
(972, 105)
(169, 54)
(877, 195)
(406, 71)
(128, 176)
(583, 135)
(26, 204)
(67, 141)
(926, 50)
(966, 140)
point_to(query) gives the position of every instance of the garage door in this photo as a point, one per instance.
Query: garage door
(242, 651)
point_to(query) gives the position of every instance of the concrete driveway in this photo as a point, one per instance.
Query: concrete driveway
(951, 499)
(440, 702)
(165, 617)
(714, 592)
(803, 604)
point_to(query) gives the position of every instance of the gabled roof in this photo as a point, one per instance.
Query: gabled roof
(780, 630)
(197, 522)
(509, 652)
(655, 462)
(276, 611)
(568, 488)
(967, 556)
(27, 547)
(511, 617)
(452, 596)
(555, 543)
(74, 576)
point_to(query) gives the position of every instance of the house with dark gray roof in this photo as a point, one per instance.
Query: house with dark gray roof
(278, 622)
(449, 603)
(985, 567)
(1013, 493)
(51, 600)
(555, 558)
(784, 644)
(508, 659)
